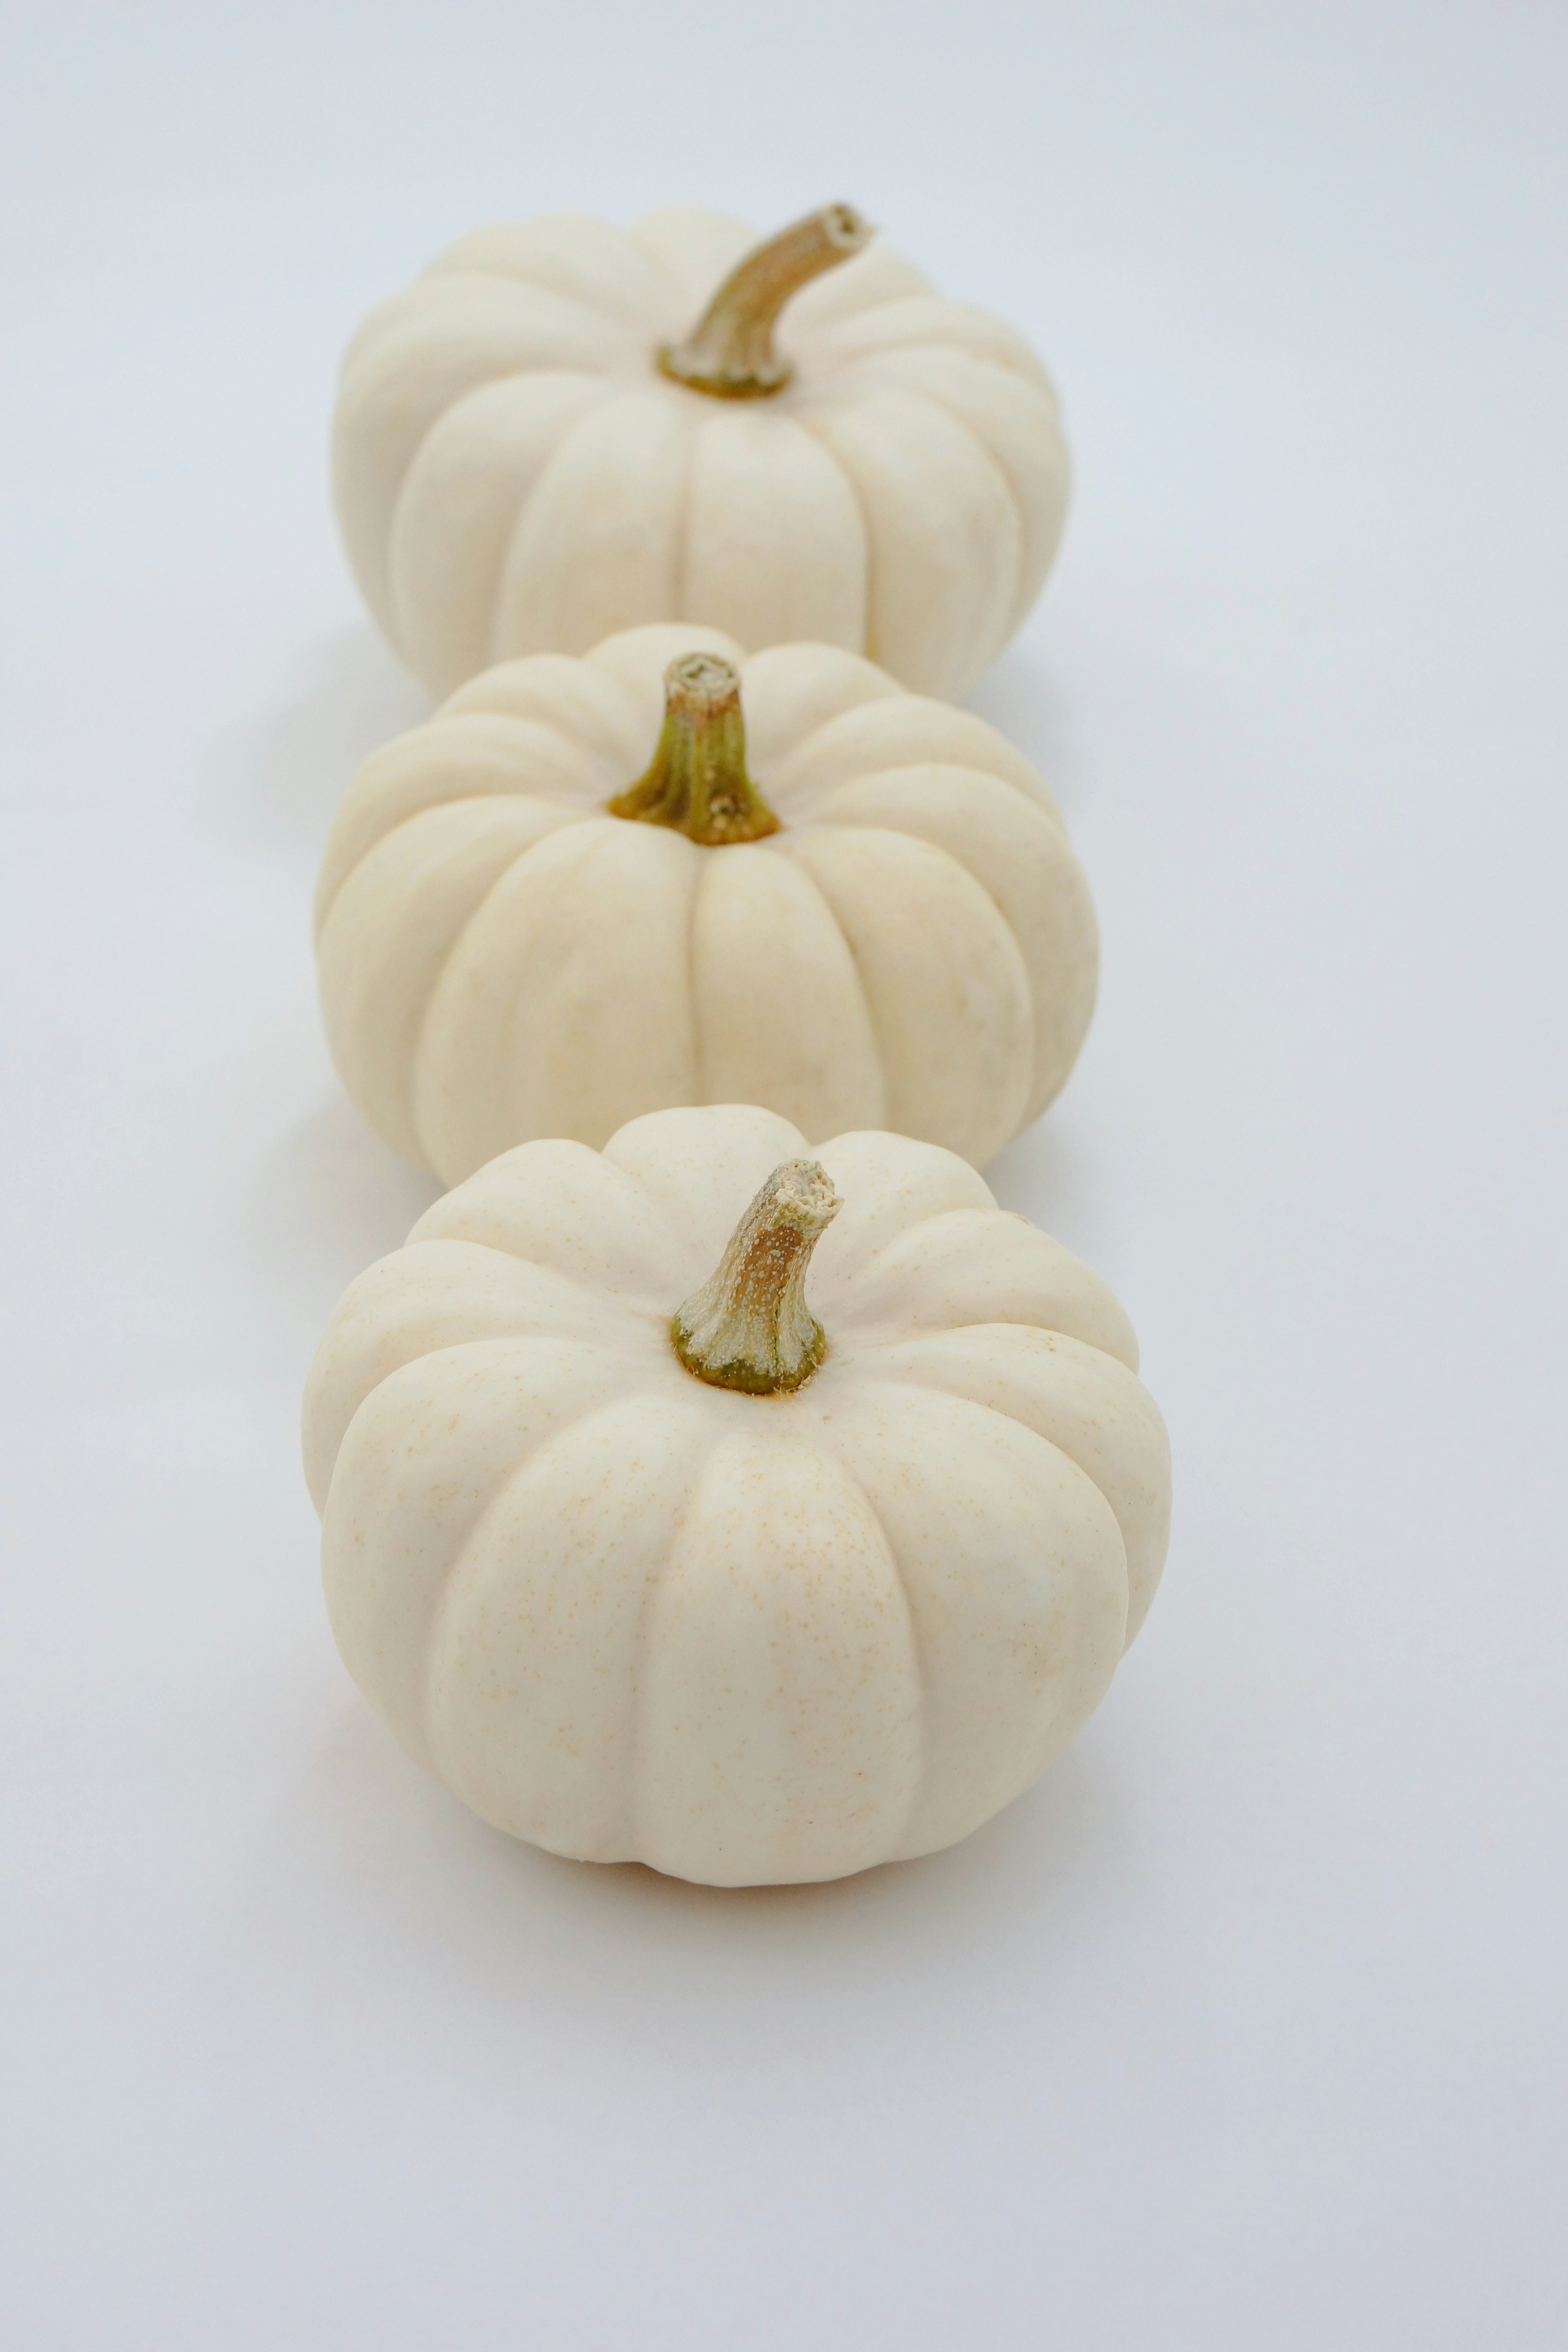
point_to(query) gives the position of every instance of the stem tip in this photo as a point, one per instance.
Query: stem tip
(729, 355)
(749, 1327)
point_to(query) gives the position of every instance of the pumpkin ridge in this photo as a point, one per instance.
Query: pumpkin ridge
(907, 832)
(636, 1308)
(412, 1072)
(774, 845)
(661, 526)
(416, 1055)
(419, 1007)
(810, 1464)
(507, 734)
(573, 228)
(611, 759)
(359, 812)
(464, 800)
(653, 1301)
(1045, 1058)
(1095, 1299)
(433, 285)
(917, 1657)
(503, 719)
(1003, 346)
(971, 640)
(491, 1340)
(781, 844)
(323, 903)
(870, 1266)
(603, 388)
(640, 1648)
(495, 651)
(1028, 586)
(1018, 603)
(1131, 1405)
(518, 1355)
(605, 828)
(869, 913)
(797, 781)
(435, 1660)
(936, 1386)
(802, 418)
(418, 307)
(904, 767)
(825, 821)
(465, 345)
(632, 1304)
(1022, 1447)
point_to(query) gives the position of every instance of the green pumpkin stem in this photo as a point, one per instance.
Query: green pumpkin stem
(730, 353)
(697, 782)
(749, 1327)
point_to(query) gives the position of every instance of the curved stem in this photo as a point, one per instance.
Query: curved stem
(730, 352)
(697, 781)
(749, 1327)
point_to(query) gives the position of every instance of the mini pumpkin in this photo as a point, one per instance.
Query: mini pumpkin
(651, 1551)
(589, 889)
(532, 451)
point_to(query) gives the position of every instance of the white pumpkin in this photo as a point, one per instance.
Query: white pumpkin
(879, 923)
(829, 1597)
(528, 456)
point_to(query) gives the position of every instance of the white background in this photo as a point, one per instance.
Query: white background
(1245, 2029)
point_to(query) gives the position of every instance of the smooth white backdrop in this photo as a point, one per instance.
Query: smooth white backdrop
(1244, 2030)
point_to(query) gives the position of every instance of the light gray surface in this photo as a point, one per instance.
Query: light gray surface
(1244, 2030)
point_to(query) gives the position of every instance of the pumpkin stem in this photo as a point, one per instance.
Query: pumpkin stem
(749, 1327)
(730, 352)
(697, 781)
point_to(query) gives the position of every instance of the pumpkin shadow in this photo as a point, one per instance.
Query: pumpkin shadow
(903, 1922)
(309, 1209)
(1027, 698)
(330, 1182)
(378, 1890)
(1048, 1175)
(345, 697)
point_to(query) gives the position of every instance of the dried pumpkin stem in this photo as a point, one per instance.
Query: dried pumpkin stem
(697, 782)
(749, 1327)
(730, 352)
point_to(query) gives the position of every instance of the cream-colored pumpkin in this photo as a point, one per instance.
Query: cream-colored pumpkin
(517, 472)
(912, 947)
(629, 1615)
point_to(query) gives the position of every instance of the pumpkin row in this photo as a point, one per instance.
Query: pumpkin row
(718, 1478)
